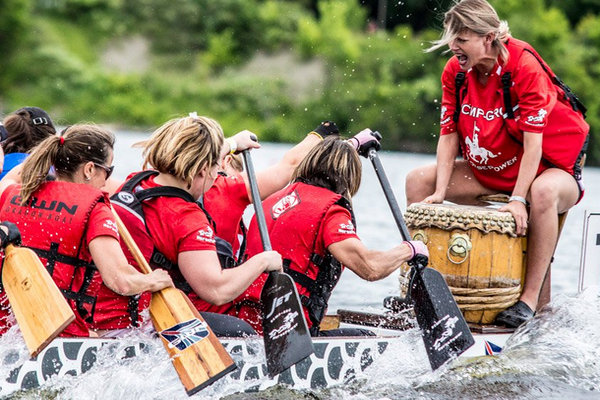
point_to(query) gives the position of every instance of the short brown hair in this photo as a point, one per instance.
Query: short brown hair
(182, 147)
(332, 164)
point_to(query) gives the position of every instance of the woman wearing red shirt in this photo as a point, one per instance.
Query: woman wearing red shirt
(311, 223)
(69, 224)
(531, 156)
(184, 156)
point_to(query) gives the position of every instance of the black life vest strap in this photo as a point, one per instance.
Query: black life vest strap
(506, 84)
(79, 297)
(459, 80)
(52, 256)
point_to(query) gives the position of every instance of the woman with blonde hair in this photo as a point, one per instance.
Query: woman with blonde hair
(159, 208)
(311, 223)
(521, 131)
(69, 224)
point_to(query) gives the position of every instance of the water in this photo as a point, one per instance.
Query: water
(553, 357)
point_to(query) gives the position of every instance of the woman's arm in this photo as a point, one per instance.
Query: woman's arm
(202, 271)
(370, 265)
(447, 150)
(13, 176)
(276, 176)
(118, 275)
(532, 155)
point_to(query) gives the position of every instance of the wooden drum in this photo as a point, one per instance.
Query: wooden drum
(477, 251)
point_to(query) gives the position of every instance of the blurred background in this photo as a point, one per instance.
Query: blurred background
(275, 67)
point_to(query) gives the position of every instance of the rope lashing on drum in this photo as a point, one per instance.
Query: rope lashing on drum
(473, 299)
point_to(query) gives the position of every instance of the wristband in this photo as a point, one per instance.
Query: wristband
(517, 198)
(411, 247)
(232, 145)
(316, 134)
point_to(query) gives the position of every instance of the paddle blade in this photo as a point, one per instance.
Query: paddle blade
(443, 327)
(287, 340)
(198, 356)
(41, 310)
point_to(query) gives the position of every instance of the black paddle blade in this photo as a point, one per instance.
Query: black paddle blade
(287, 340)
(445, 332)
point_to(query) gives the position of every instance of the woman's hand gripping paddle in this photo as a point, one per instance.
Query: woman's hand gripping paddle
(41, 310)
(443, 327)
(287, 340)
(198, 356)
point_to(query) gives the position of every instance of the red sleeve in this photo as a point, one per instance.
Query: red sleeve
(535, 92)
(194, 231)
(101, 223)
(226, 202)
(337, 226)
(447, 124)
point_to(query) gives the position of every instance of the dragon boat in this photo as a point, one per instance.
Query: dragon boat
(336, 360)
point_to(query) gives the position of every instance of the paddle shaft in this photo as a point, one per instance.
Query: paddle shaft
(130, 243)
(389, 194)
(258, 210)
(420, 261)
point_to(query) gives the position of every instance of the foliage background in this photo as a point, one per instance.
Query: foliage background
(275, 67)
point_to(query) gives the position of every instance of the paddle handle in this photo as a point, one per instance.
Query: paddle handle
(419, 261)
(258, 210)
(130, 243)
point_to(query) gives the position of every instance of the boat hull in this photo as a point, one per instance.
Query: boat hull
(336, 361)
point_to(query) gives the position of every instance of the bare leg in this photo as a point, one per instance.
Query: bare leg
(463, 187)
(551, 193)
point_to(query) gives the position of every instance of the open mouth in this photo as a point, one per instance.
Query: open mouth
(462, 60)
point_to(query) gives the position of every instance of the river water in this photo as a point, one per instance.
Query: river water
(553, 357)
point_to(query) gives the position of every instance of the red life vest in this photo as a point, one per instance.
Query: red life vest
(115, 311)
(294, 217)
(565, 134)
(61, 246)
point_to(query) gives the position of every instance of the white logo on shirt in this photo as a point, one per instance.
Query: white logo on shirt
(284, 204)
(112, 225)
(475, 151)
(442, 119)
(537, 120)
(347, 228)
(206, 235)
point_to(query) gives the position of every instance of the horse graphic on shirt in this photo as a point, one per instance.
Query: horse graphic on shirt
(476, 151)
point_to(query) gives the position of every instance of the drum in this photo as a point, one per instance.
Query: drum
(477, 251)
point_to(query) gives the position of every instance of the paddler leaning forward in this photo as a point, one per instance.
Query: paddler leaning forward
(69, 224)
(173, 232)
(311, 223)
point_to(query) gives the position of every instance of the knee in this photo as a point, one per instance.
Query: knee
(419, 184)
(543, 195)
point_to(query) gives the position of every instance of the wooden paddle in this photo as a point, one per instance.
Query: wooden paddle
(443, 327)
(198, 356)
(41, 310)
(286, 336)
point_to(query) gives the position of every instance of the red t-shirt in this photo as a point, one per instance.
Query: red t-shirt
(226, 202)
(493, 155)
(175, 224)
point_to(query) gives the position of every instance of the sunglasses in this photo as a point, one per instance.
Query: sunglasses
(108, 170)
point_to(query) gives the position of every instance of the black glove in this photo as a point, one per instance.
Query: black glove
(327, 128)
(13, 236)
